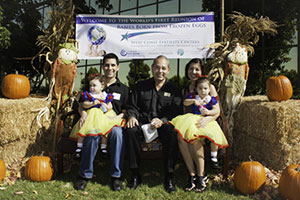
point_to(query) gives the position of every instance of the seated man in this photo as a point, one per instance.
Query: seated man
(115, 138)
(154, 101)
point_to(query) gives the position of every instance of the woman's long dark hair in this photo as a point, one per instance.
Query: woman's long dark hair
(195, 61)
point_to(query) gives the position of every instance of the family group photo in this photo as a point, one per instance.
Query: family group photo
(149, 99)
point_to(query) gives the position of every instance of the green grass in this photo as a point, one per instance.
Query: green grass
(61, 186)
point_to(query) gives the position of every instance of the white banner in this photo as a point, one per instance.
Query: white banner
(133, 37)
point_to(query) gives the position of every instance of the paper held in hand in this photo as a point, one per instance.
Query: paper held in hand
(149, 134)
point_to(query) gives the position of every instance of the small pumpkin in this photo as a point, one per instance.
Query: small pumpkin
(15, 86)
(249, 177)
(289, 182)
(2, 170)
(39, 168)
(279, 88)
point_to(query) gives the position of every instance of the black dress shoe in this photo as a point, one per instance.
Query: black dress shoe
(116, 184)
(81, 183)
(134, 182)
(170, 186)
(191, 184)
(201, 183)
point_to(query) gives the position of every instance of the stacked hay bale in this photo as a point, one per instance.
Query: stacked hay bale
(268, 131)
(20, 136)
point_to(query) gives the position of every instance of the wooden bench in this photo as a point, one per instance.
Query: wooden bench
(151, 150)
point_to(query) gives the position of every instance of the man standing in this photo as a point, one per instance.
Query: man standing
(115, 137)
(154, 101)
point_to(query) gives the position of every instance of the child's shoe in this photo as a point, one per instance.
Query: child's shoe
(215, 164)
(104, 152)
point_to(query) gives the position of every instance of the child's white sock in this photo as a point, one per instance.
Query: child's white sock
(103, 148)
(78, 150)
(214, 155)
(79, 145)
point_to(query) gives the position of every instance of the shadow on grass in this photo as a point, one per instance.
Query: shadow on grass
(101, 172)
(151, 171)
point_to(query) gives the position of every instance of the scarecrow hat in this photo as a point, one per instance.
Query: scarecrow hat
(69, 46)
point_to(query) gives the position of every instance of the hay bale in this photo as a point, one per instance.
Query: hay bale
(268, 131)
(20, 136)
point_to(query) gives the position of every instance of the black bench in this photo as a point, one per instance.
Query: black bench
(151, 150)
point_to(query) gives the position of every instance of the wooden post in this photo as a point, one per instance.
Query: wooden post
(222, 20)
(298, 57)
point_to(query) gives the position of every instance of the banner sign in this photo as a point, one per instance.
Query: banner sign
(134, 37)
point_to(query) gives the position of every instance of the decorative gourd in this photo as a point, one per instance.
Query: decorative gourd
(2, 170)
(289, 182)
(279, 88)
(249, 177)
(15, 86)
(39, 168)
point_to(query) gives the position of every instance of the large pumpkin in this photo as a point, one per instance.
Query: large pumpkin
(2, 170)
(15, 86)
(279, 88)
(249, 177)
(289, 182)
(39, 168)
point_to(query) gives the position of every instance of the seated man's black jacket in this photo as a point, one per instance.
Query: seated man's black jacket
(147, 103)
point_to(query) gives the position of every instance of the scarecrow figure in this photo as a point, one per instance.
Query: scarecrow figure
(233, 86)
(232, 55)
(64, 72)
(62, 78)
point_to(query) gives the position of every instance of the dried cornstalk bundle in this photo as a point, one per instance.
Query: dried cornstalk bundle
(243, 30)
(59, 30)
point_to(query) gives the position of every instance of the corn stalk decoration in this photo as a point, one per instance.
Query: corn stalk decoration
(229, 67)
(60, 32)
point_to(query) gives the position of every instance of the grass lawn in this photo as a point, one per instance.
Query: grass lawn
(61, 186)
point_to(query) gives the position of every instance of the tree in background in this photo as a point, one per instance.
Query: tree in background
(4, 39)
(22, 20)
(138, 71)
(182, 82)
(4, 33)
(104, 4)
(275, 53)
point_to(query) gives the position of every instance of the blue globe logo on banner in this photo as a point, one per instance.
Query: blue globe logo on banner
(180, 52)
(123, 52)
(96, 35)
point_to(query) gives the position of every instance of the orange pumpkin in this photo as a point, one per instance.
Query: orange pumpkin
(2, 170)
(289, 182)
(249, 177)
(39, 168)
(15, 86)
(279, 88)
